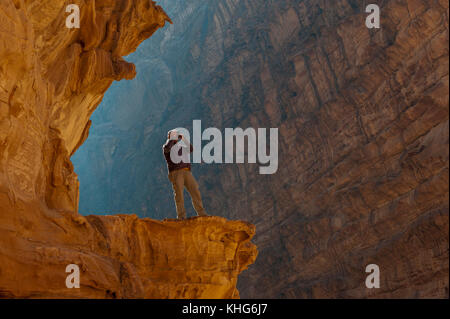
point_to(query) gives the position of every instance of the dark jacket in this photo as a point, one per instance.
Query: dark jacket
(171, 166)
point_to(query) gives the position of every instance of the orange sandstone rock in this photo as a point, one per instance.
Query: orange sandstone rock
(51, 80)
(119, 256)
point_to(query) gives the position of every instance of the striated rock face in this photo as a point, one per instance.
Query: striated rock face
(51, 80)
(363, 122)
(119, 256)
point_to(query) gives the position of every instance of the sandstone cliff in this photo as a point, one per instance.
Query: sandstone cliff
(51, 80)
(363, 119)
(119, 256)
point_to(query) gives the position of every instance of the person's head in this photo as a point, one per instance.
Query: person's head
(172, 135)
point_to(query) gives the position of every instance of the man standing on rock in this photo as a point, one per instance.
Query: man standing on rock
(180, 174)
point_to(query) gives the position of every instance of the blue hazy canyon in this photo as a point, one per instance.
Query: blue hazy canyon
(120, 166)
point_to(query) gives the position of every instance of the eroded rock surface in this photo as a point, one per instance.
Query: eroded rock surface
(119, 256)
(51, 80)
(363, 122)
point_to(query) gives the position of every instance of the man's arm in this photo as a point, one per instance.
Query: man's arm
(191, 148)
(168, 146)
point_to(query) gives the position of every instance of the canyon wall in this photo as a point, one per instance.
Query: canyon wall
(51, 80)
(363, 123)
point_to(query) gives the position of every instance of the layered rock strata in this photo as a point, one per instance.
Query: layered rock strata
(363, 124)
(51, 80)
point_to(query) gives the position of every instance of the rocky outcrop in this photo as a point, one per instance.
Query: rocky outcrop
(51, 80)
(119, 256)
(363, 122)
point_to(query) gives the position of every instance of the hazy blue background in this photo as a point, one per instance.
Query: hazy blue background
(120, 167)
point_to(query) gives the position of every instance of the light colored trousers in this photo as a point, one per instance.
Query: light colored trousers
(180, 179)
